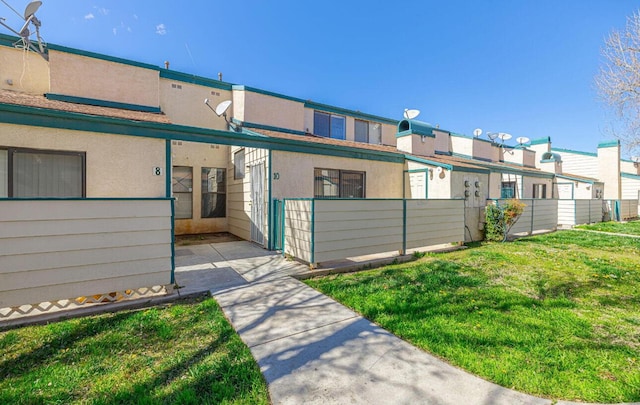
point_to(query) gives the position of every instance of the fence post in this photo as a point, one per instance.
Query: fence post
(313, 233)
(533, 203)
(284, 223)
(404, 227)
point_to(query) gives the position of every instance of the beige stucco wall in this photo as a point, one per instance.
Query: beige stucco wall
(389, 134)
(483, 149)
(295, 171)
(184, 104)
(116, 165)
(530, 181)
(609, 171)
(416, 145)
(197, 156)
(268, 110)
(443, 141)
(82, 76)
(630, 188)
(462, 145)
(27, 71)
(630, 167)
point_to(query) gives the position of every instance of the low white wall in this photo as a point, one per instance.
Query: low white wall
(298, 229)
(575, 212)
(59, 249)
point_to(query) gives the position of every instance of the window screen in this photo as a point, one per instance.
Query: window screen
(4, 173)
(362, 131)
(183, 191)
(508, 189)
(333, 183)
(214, 193)
(46, 174)
(329, 125)
(238, 164)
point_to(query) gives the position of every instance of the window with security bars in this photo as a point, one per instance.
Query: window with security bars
(29, 173)
(539, 191)
(334, 183)
(214, 193)
(508, 189)
(182, 186)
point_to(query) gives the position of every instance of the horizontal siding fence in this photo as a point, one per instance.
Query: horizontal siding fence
(78, 249)
(620, 210)
(576, 212)
(539, 215)
(321, 230)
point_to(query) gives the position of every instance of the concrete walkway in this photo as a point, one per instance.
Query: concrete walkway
(313, 350)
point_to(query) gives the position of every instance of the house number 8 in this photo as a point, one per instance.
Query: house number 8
(276, 176)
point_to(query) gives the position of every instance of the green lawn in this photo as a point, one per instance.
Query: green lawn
(556, 315)
(629, 228)
(182, 353)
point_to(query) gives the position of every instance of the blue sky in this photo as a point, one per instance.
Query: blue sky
(525, 67)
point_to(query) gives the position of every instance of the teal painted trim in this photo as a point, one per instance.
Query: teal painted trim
(417, 170)
(313, 232)
(350, 113)
(461, 155)
(562, 176)
(270, 198)
(32, 116)
(86, 199)
(252, 125)
(282, 230)
(415, 127)
(540, 141)
(428, 162)
(404, 226)
(572, 188)
(168, 192)
(548, 161)
(193, 79)
(609, 144)
(630, 176)
(576, 152)
(8, 40)
(102, 103)
(533, 212)
(403, 134)
(100, 56)
(238, 87)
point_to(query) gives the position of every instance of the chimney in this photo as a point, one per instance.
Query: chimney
(609, 169)
(166, 64)
(220, 76)
(416, 138)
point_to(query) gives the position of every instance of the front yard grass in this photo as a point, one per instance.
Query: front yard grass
(555, 315)
(182, 353)
(629, 228)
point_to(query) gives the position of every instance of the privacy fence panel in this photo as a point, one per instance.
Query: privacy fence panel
(298, 229)
(60, 249)
(538, 215)
(434, 222)
(347, 228)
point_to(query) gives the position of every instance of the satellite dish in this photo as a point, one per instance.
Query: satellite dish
(411, 114)
(477, 132)
(31, 9)
(504, 136)
(522, 140)
(635, 159)
(492, 135)
(222, 108)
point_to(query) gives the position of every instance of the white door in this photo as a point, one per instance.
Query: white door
(257, 203)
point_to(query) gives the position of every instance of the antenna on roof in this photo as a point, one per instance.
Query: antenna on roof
(492, 135)
(221, 108)
(24, 33)
(411, 114)
(504, 136)
(477, 132)
(635, 159)
(522, 140)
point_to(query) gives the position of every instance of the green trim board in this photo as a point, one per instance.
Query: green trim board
(193, 79)
(102, 103)
(475, 138)
(351, 113)
(409, 127)
(576, 152)
(270, 199)
(609, 144)
(540, 141)
(86, 199)
(168, 192)
(94, 55)
(630, 176)
(428, 162)
(48, 118)
(252, 125)
(562, 176)
(240, 87)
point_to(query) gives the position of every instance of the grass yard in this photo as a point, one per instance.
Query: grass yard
(182, 353)
(629, 228)
(555, 315)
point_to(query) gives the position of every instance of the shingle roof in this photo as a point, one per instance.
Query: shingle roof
(12, 97)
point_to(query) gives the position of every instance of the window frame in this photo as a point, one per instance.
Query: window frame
(11, 151)
(340, 176)
(237, 167)
(539, 188)
(173, 192)
(508, 185)
(331, 117)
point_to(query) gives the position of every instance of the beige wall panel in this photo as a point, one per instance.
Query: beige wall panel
(442, 141)
(297, 241)
(273, 111)
(439, 184)
(184, 104)
(579, 164)
(609, 172)
(587, 211)
(337, 254)
(322, 206)
(567, 212)
(116, 165)
(495, 180)
(362, 234)
(431, 222)
(32, 210)
(389, 134)
(485, 150)
(42, 261)
(331, 226)
(358, 247)
(628, 209)
(629, 167)
(461, 145)
(630, 188)
(82, 76)
(296, 171)
(27, 71)
(18, 229)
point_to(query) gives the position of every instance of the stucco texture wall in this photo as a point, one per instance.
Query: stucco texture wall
(28, 73)
(184, 104)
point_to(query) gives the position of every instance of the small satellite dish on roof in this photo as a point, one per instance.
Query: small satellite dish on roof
(411, 114)
(504, 136)
(222, 108)
(522, 140)
(477, 132)
(492, 135)
(24, 33)
(635, 159)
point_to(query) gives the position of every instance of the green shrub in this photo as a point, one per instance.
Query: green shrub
(499, 218)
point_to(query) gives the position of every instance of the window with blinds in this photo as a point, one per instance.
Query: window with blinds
(334, 183)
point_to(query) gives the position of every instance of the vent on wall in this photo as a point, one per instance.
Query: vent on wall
(176, 143)
(215, 93)
(176, 86)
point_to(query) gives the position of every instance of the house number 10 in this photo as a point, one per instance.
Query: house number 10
(276, 176)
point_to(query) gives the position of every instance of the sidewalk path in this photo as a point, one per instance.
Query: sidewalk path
(313, 350)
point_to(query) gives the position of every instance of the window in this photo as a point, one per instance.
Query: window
(368, 132)
(508, 189)
(539, 191)
(238, 165)
(182, 187)
(333, 183)
(214, 193)
(32, 173)
(329, 125)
